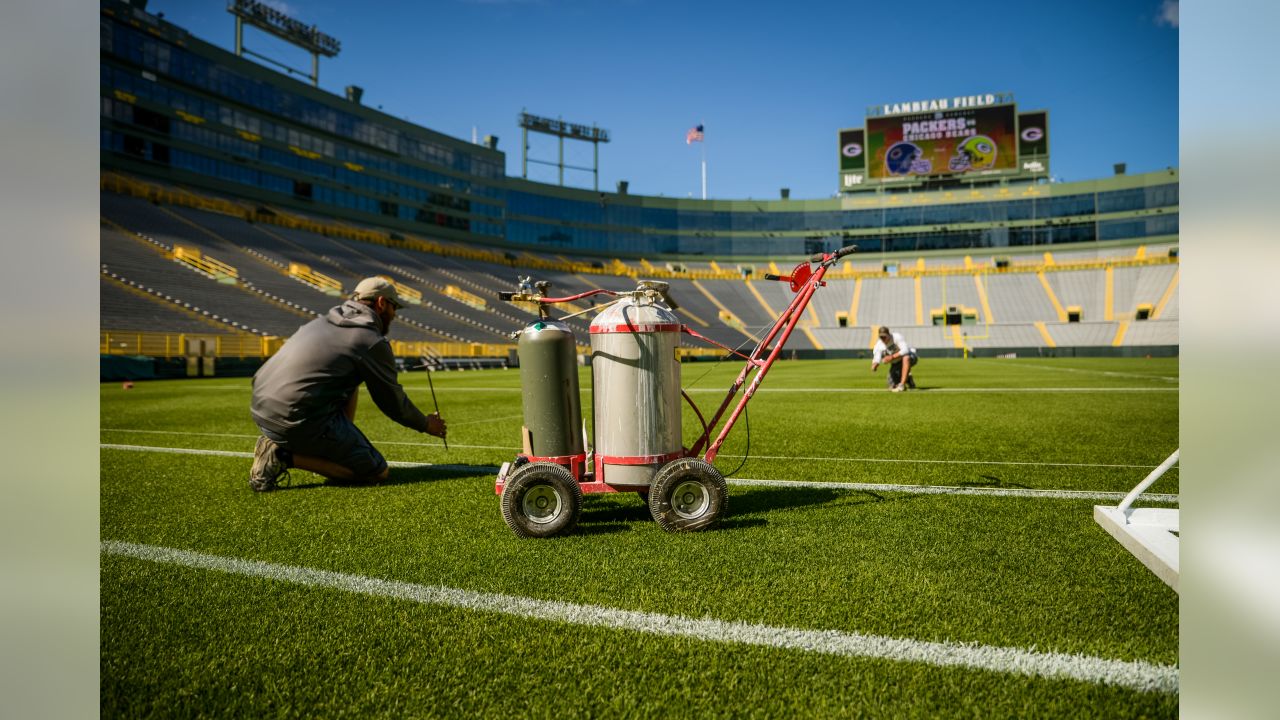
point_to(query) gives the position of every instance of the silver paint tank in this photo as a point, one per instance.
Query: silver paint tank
(635, 377)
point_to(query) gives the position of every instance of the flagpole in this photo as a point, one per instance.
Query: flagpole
(704, 165)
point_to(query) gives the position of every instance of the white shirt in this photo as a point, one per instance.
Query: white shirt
(899, 344)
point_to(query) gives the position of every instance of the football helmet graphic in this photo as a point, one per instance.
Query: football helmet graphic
(901, 157)
(980, 150)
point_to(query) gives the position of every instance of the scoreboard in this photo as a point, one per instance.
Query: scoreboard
(970, 136)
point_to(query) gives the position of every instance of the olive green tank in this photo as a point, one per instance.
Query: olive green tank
(549, 389)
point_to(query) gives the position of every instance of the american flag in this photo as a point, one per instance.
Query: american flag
(694, 135)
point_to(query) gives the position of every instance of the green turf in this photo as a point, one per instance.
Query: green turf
(1002, 571)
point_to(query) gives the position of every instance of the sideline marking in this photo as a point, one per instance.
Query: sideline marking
(882, 487)
(927, 391)
(251, 436)
(942, 462)
(239, 454)
(1132, 674)
(757, 457)
(958, 490)
(1113, 373)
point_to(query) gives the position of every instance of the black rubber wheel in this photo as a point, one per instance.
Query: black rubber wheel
(541, 500)
(688, 495)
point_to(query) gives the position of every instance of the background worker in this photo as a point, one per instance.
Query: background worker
(304, 397)
(892, 348)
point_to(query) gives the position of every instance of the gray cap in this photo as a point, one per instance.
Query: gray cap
(376, 287)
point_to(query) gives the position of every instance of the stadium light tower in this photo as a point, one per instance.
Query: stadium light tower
(294, 32)
(561, 129)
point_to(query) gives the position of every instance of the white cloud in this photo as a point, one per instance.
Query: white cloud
(1168, 13)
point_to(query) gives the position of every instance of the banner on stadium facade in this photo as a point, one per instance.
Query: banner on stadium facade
(853, 157)
(1033, 142)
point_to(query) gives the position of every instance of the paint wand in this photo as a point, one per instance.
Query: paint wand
(432, 385)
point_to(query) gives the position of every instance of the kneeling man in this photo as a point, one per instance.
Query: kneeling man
(892, 348)
(304, 397)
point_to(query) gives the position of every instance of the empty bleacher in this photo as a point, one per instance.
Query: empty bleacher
(129, 309)
(1152, 332)
(1018, 298)
(887, 301)
(264, 298)
(1085, 289)
(1083, 333)
(127, 258)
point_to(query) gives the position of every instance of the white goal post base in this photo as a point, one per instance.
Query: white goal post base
(1150, 534)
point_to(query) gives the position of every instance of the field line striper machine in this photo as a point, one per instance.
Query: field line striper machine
(635, 377)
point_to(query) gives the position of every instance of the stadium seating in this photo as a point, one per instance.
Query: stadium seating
(1025, 306)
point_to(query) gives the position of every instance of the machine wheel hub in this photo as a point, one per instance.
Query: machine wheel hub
(541, 504)
(690, 500)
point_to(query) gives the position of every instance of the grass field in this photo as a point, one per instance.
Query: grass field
(414, 599)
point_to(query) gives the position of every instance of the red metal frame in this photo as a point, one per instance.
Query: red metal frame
(804, 282)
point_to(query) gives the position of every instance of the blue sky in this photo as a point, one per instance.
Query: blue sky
(772, 82)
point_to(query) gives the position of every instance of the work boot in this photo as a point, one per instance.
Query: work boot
(267, 466)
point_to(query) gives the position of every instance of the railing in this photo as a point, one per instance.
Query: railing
(465, 297)
(174, 345)
(319, 281)
(210, 266)
(406, 293)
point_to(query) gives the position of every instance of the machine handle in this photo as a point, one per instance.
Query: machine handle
(847, 249)
(506, 296)
(771, 276)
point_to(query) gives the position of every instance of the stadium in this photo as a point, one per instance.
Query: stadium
(956, 569)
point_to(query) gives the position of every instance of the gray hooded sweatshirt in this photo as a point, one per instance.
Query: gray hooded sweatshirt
(298, 390)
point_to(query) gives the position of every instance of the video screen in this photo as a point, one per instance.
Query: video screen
(945, 142)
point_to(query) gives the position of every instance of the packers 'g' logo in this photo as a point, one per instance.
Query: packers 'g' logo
(1032, 134)
(851, 150)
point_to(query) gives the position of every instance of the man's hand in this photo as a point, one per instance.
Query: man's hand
(436, 426)
(874, 365)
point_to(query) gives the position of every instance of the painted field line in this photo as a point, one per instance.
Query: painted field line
(901, 461)
(249, 455)
(1132, 674)
(956, 390)
(957, 490)
(947, 390)
(941, 462)
(254, 435)
(880, 487)
(1112, 373)
(906, 461)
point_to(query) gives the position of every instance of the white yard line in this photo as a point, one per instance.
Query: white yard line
(952, 390)
(1111, 373)
(940, 462)
(1132, 674)
(906, 461)
(254, 435)
(874, 487)
(954, 490)
(247, 455)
